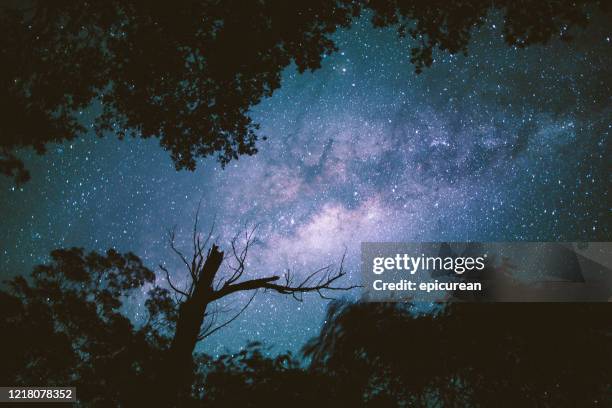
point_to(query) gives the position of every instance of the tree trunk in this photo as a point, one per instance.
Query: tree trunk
(177, 369)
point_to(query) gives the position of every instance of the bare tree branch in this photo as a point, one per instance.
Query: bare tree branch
(171, 241)
(208, 323)
(210, 332)
(163, 268)
(325, 282)
(195, 230)
(240, 256)
(208, 236)
(204, 290)
(199, 256)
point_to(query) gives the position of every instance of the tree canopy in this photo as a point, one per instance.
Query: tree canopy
(468, 354)
(65, 325)
(188, 74)
(67, 321)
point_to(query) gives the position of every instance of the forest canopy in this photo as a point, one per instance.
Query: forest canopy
(62, 326)
(189, 75)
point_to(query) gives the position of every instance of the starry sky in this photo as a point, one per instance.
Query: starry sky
(502, 145)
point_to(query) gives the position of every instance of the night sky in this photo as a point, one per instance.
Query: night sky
(502, 145)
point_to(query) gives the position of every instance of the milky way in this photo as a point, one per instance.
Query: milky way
(503, 145)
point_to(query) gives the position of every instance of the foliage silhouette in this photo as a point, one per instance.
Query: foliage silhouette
(76, 303)
(469, 354)
(65, 326)
(253, 378)
(207, 283)
(189, 74)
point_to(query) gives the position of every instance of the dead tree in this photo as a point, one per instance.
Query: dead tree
(198, 317)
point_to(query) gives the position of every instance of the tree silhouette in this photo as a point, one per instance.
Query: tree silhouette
(68, 323)
(195, 318)
(189, 74)
(253, 378)
(468, 354)
(65, 324)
